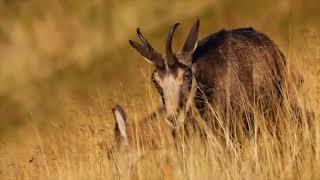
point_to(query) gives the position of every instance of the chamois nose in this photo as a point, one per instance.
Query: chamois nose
(172, 119)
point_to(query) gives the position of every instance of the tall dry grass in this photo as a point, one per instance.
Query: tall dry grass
(79, 150)
(64, 65)
(290, 151)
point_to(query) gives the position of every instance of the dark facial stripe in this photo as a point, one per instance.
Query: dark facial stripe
(158, 87)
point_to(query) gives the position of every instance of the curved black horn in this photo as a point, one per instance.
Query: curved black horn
(171, 58)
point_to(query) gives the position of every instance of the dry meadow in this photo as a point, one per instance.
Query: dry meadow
(65, 64)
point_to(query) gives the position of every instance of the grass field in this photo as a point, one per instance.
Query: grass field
(64, 65)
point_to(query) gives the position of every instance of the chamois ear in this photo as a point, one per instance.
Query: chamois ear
(185, 54)
(142, 50)
(121, 125)
(147, 51)
(192, 39)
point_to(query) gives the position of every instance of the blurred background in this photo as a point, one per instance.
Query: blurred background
(58, 56)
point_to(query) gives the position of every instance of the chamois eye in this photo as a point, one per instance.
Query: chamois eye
(187, 75)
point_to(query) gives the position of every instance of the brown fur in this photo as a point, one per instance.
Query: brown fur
(237, 72)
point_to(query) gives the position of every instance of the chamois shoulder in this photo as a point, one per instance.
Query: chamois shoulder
(247, 34)
(211, 41)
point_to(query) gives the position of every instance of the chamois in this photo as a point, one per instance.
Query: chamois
(234, 71)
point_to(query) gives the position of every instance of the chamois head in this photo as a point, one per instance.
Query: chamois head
(173, 76)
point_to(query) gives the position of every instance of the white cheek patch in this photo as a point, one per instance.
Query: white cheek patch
(171, 94)
(171, 88)
(181, 117)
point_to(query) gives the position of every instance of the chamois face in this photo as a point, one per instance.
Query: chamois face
(176, 88)
(173, 77)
